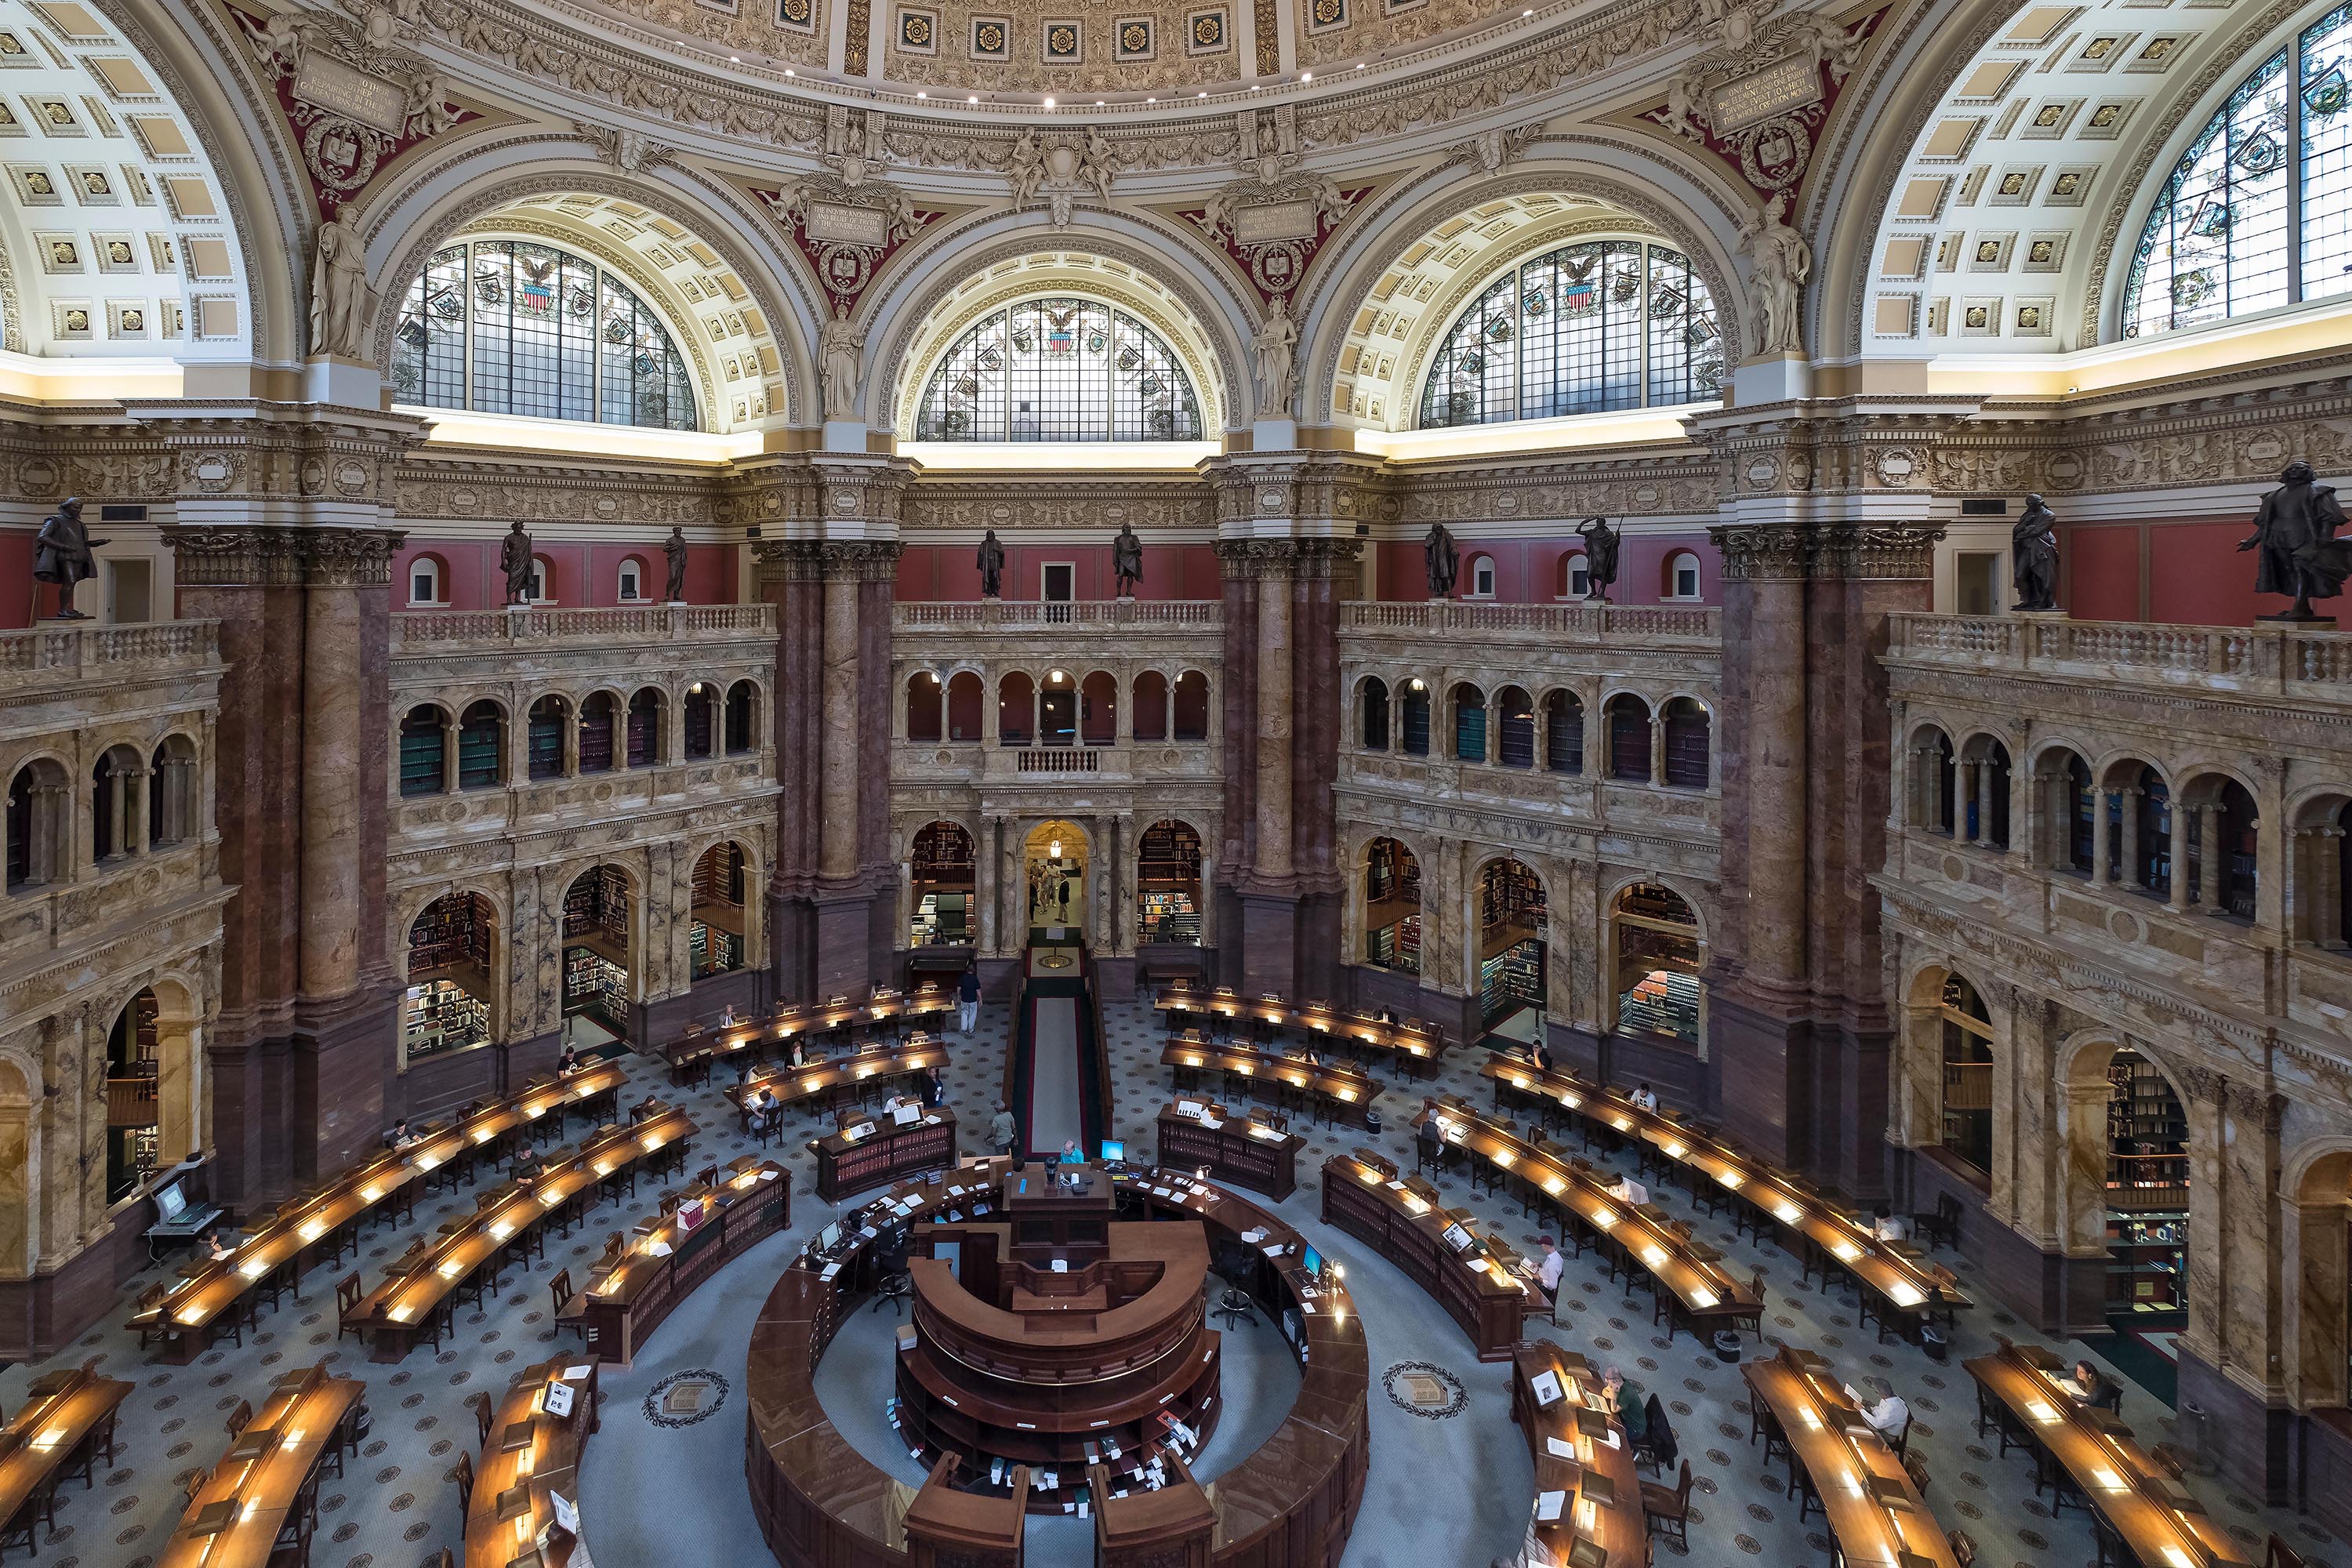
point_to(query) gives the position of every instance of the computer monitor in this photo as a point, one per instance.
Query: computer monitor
(1312, 1260)
(1113, 1149)
(170, 1202)
(828, 1238)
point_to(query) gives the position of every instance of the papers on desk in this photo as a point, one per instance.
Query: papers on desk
(1273, 1251)
(1558, 1449)
(770, 1176)
(1546, 1387)
(657, 1248)
(1061, 1266)
(829, 1270)
(1211, 1122)
(567, 1513)
(575, 1373)
(1549, 1506)
(557, 1399)
(1255, 1234)
(1614, 1440)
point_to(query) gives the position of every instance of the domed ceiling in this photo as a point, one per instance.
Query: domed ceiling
(1016, 51)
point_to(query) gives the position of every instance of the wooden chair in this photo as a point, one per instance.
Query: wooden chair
(2279, 1554)
(1668, 1513)
(347, 1297)
(38, 1512)
(463, 1474)
(2170, 1460)
(195, 1486)
(1964, 1548)
(1941, 1228)
(150, 1301)
(1916, 1467)
(240, 1418)
(480, 1404)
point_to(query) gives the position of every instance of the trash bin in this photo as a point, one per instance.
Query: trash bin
(1372, 1122)
(1932, 1341)
(1727, 1347)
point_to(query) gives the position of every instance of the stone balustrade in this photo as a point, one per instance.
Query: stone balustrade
(449, 630)
(60, 654)
(1020, 616)
(2275, 659)
(1585, 622)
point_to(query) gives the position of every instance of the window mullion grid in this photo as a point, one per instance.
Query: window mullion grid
(1641, 303)
(2294, 168)
(466, 322)
(1519, 343)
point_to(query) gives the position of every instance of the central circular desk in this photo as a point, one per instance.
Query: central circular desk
(976, 1379)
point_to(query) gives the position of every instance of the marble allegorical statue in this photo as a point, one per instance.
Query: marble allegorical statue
(2033, 557)
(1126, 560)
(674, 553)
(1441, 559)
(1778, 263)
(837, 351)
(1276, 344)
(1600, 543)
(339, 289)
(61, 555)
(992, 566)
(2295, 533)
(514, 560)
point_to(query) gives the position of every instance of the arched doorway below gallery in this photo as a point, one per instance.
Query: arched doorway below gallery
(943, 875)
(599, 958)
(452, 954)
(1391, 907)
(717, 939)
(1054, 881)
(1511, 957)
(1168, 884)
(133, 1068)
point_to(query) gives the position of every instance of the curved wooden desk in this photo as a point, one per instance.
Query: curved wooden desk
(233, 1519)
(1869, 1503)
(1907, 1283)
(1414, 1042)
(1341, 1092)
(1582, 1459)
(532, 1456)
(697, 1047)
(210, 1289)
(1364, 1196)
(1288, 1505)
(631, 1291)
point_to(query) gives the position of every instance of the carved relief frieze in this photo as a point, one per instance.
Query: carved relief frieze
(940, 505)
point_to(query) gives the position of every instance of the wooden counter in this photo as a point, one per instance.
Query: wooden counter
(66, 1420)
(1341, 1092)
(209, 1290)
(233, 1519)
(1057, 1371)
(2158, 1518)
(1419, 1044)
(1601, 1490)
(1707, 1294)
(398, 1311)
(1241, 1151)
(665, 1257)
(1289, 1505)
(848, 1073)
(696, 1045)
(1908, 1284)
(1365, 1198)
(1872, 1511)
(846, 1166)
(532, 1456)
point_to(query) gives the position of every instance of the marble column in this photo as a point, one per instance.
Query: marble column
(2102, 845)
(1274, 719)
(1658, 748)
(838, 854)
(984, 890)
(2129, 872)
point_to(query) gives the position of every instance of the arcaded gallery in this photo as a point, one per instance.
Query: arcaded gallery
(1251, 784)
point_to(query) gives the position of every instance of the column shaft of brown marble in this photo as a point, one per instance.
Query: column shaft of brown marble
(1276, 716)
(1775, 766)
(331, 792)
(838, 791)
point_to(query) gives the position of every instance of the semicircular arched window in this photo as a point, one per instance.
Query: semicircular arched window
(1598, 325)
(1059, 369)
(2217, 243)
(504, 326)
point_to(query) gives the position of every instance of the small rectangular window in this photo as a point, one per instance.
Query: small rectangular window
(420, 588)
(1685, 582)
(1580, 581)
(1483, 581)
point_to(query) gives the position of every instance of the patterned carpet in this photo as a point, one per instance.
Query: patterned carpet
(1438, 1414)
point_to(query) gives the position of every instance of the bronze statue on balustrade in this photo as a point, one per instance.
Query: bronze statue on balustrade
(2294, 533)
(1442, 560)
(514, 560)
(61, 555)
(2033, 557)
(1600, 543)
(1126, 559)
(992, 567)
(674, 553)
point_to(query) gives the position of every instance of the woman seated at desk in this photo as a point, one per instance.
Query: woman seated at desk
(2095, 1388)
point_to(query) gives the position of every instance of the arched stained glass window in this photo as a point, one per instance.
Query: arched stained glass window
(1597, 325)
(1061, 369)
(2216, 244)
(510, 327)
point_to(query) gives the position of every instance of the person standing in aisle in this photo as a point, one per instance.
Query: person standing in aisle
(968, 999)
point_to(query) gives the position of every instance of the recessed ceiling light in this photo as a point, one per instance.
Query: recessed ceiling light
(1360, 65)
(734, 59)
(973, 98)
(1099, 103)
(922, 95)
(787, 70)
(1150, 101)
(1204, 95)
(1049, 104)
(1306, 75)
